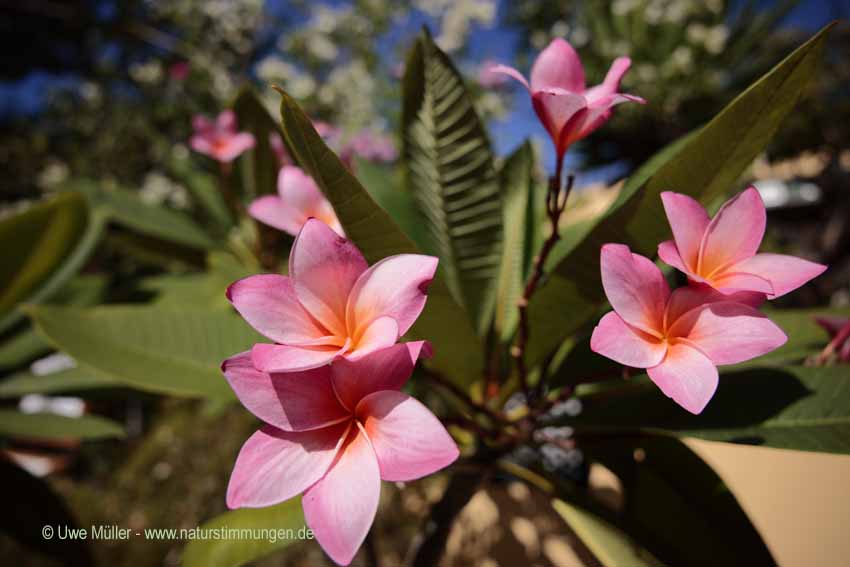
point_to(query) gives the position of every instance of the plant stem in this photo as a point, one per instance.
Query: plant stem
(840, 337)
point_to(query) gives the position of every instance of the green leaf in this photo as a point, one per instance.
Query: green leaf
(383, 182)
(796, 407)
(457, 349)
(705, 165)
(675, 505)
(254, 118)
(805, 336)
(197, 290)
(610, 545)
(175, 352)
(69, 380)
(518, 218)
(205, 192)
(450, 172)
(44, 256)
(271, 529)
(52, 426)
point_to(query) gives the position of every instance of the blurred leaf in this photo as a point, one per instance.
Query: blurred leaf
(197, 290)
(795, 407)
(704, 165)
(675, 505)
(805, 336)
(52, 426)
(450, 173)
(69, 380)
(457, 350)
(610, 545)
(176, 352)
(20, 348)
(384, 184)
(226, 552)
(254, 118)
(518, 221)
(29, 505)
(205, 192)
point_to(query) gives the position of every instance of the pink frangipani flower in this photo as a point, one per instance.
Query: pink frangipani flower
(334, 433)
(679, 337)
(298, 199)
(567, 108)
(221, 139)
(332, 304)
(721, 252)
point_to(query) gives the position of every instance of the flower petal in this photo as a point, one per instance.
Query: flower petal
(340, 508)
(201, 124)
(381, 333)
(298, 189)
(409, 440)
(386, 369)
(734, 233)
(729, 333)
(324, 267)
(235, 146)
(275, 465)
(510, 72)
(734, 282)
(613, 338)
(558, 66)
(561, 113)
(669, 254)
(273, 211)
(634, 286)
(688, 221)
(394, 287)
(269, 304)
(785, 273)
(611, 84)
(285, 358)
(226, 121)
(294, 401)
(687, 376)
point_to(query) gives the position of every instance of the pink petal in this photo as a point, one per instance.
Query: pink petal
(295, 401)
(734, 233)
(340, 508)
(561, 113)
(729, 333)
(201, 124)
(386, 369)
(297, 188)
(558, 66)
(284, 358)
(634, 286)
(689, 221)
(324, 267)
(201, 144)
(381, 333)
(409, 440)
(614, 339)
(226, 121)
(684, 299)
(394, 287)
(510, 72)
(669, 254)
(275, 465)
(269, 304)
(273, 211)
(734, 282)
(611, 84)
(785, 273)
(236, 146)
(687, 376)
(832, 325)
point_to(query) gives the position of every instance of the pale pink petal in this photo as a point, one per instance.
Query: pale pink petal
(236, 146)
(394, 287)
(386, 369)
(687, 376)
(294, 401)
(634, 286)
(297, 188)
(729, 333)
(688, 221)
(734, 233)
(226, 121)
(201, 124)
(611, 84)
(409, 440)
(558, 66)
(201, 144)
(269, 304)
(341, 507)
(510, 72)
(669, 254)
(273, 211)
(284, 358)
(324, 267)
(275, 465)
(684, 299)
(614, 339)
(734, 282)
(379, 334)
(785, 273)
(560, 112)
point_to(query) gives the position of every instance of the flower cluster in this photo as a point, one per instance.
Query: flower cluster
(220, 139)
(328, 389)
(681, 337)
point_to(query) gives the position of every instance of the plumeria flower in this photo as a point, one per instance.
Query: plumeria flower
(334, 433)
(567, 109)
(332, 304)
(220, 140)
(679, 337)
(370, 146)
(298, 199)
(721, 252)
